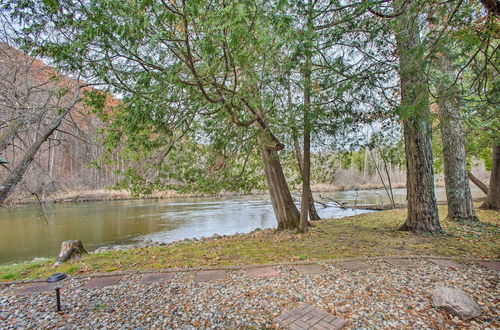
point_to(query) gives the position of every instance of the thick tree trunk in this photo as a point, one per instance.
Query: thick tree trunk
(492, 201)
(284, 207)
(458, 195)
(478, 183)
(422, 207)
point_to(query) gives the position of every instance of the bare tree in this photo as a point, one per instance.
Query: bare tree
(34, 101)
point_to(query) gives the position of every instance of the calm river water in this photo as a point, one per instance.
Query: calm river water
(24, 235)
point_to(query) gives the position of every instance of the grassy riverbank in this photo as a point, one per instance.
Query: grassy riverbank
(371, 234)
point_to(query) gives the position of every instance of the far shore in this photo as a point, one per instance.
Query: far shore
(123, 195)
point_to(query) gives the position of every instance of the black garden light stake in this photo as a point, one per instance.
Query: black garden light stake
(54, 278)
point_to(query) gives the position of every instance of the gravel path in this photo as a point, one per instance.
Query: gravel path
(384, 296)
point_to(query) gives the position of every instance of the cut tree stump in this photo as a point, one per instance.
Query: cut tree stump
(70, 249)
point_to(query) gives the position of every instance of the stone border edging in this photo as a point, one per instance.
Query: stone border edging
(238, 267)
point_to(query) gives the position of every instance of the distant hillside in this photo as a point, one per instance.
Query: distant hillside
(62, 162)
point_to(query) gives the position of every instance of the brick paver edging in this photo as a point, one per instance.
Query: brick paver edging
(192, 269)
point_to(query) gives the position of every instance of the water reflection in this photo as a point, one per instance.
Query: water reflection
(25, 236)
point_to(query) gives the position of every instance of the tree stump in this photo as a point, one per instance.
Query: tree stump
(70, 249)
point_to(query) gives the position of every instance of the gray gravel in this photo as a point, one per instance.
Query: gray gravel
(382, 297)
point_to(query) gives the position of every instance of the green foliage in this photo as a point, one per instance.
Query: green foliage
(95, 101)
(201, 83)
(345, 159)
(466, 38)
(190, 166)
(358, 159)
(194, 79)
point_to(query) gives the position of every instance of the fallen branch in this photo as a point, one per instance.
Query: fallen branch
(477, 182)
(325, 205)
(342, 205)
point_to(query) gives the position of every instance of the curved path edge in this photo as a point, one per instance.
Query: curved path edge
(237, 267)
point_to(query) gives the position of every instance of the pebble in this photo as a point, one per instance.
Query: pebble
(149, 243)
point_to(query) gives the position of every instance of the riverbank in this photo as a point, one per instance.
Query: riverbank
(367, 235)
(97, 195)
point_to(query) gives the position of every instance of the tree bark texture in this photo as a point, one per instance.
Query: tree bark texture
(70, 249)
(478, 183)
(313, 213)
(422, 207)
(306, 163)
(458, 194)
(284, 207)
(492, 201)
(307, 202)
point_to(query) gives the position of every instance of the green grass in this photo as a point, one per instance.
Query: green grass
(371, 234)
(16, 271)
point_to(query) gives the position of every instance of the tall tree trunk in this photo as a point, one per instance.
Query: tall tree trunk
(478, 183)
(458, 195)
(492, 201)
(422, 207)
(18, 172)
(306, 163)
(307, 202)
(306, 199)
(284, 207)
(313, 213)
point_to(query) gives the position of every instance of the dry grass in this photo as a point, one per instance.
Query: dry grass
(371, 234)
(323, 187)
(86, 195)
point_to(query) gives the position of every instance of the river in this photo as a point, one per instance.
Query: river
(24, 234)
